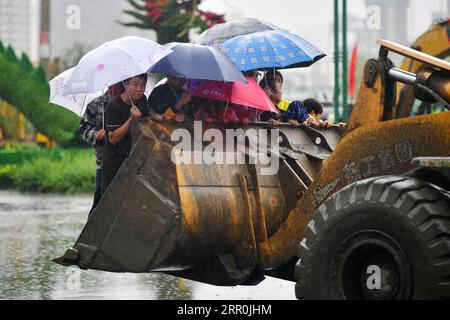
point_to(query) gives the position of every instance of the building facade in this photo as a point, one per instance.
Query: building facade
(19, 26)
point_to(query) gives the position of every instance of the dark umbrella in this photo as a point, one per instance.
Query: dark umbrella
(222, 32)
(194, 61)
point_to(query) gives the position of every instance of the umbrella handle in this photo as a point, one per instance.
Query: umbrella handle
(103, 110)
(226, 107)
(128, 94)
(84, 101)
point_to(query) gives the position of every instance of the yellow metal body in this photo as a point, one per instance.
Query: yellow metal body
(228, 224)
(377, 149)
(435, 42)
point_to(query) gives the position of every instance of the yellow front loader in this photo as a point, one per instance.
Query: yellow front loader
(434, 42)
(346, 215)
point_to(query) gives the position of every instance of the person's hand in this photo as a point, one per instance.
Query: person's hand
(245, 120)
(326, 124)
(135, 113)
(157, 117)
(273, 122)
(179, 117)
(314, 123)
(294, 122)
(342, 125)
(100, 135)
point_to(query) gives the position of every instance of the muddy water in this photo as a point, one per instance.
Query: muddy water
(34, 229)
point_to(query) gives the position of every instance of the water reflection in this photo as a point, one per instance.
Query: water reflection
(34, 229)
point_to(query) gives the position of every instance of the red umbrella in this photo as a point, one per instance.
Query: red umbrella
(247, 94)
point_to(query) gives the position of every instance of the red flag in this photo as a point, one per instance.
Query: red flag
(352, 71)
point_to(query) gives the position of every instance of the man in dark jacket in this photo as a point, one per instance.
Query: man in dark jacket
(92, 131)
(170, 100)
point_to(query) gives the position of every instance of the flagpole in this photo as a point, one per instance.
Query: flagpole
(345, 115)
(337, 117)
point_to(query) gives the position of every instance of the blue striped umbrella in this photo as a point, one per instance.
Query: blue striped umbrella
(271, 49)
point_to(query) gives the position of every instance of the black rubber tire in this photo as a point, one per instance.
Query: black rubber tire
(401, 224)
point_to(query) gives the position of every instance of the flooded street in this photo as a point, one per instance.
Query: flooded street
(34, 229)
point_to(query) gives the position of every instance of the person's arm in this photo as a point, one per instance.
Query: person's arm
(184, 100)
(156, 101)
(88, 127)
(153, 114)
(294, 122)
(313, 123)
(118, 134)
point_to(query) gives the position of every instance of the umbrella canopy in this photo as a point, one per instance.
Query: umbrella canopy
(271, 49)
(222, 32)
(247, 94)
(77, 103)
(194, 61)
(113, 62)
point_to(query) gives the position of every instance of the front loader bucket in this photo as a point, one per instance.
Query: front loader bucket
(199, 221)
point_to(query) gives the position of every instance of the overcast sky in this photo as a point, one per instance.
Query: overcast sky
(313, 18)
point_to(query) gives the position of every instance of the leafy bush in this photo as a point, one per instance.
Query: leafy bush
(57, 170)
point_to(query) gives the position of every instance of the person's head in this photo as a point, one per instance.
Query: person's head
(176, 82)
(252, 73)
(314, 108)
(135, 86)
(272, 83)
(116, 89)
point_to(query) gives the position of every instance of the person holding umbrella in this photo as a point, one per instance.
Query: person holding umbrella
(188, 61)
(112, 62)
(169, 100)
(124, 108)
(92, 131)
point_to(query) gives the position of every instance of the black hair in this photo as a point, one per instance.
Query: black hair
(269, 79)
(142, 75)
(313, 106)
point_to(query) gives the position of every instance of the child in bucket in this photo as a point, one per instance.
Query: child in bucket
(205, 110)
(315, 111)
(291, 112)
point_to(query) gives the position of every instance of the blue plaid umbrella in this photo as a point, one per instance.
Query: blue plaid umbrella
(271, 49)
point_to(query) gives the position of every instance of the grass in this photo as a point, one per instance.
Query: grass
(48, 171)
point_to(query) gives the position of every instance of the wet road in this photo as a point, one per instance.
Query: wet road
(34, 229)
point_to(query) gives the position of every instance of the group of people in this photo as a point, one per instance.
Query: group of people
(106, 122)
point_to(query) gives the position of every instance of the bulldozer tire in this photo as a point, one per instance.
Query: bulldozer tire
(382, 238)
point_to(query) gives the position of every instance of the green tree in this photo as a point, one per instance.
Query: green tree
(27, 89)
(171, 19)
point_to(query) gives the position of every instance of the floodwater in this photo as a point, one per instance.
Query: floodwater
(34, 229)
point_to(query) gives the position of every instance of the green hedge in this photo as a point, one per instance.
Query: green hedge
(55, 170)
(27, 89)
